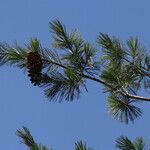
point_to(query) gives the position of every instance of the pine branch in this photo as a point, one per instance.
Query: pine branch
(125, 93)
(81, 146)
(140, 144)
(141, 98)
(144, 71)
(62, 75)
(64, 40)
(122, 108)
(59, 86)
(124, 143)
(83, 75)
(13, 56)
(27, 139)
(55, 63)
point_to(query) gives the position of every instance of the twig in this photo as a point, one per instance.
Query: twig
(125, 93)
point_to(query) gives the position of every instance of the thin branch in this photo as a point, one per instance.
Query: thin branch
(139, 97)
(55, 63)
(83, 75)
(145, 73)
(94, 79)
(125, 93)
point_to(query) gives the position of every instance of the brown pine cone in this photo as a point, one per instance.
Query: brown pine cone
(34, 62)
(35, 78)
(34, 65)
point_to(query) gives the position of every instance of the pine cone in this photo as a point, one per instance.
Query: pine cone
(34, 65)
(35, 78)
(34, 62)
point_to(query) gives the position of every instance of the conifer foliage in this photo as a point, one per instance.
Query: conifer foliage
(122, 142)
(28, 140)
(123, 69)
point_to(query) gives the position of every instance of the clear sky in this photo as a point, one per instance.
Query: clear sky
(59, 125)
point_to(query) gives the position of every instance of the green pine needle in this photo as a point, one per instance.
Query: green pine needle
(80, 146)
(27, 139)
(63, 39)
(122, 109)
(13, 56)
(58, 87)
(140, 144)
(123, 143)
(113, 49)
(35, 44)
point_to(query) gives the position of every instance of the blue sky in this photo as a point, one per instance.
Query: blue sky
(60, 125)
